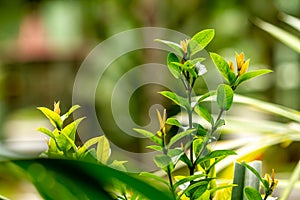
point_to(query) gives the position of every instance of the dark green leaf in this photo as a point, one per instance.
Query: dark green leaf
(223, 68)
(173, 121)
(149, 135)
(176, 99)
(174, 69)
(252, 194)
(250, 75)
(186, 160)
(52, 116)
(195, 186)
(224, 96)
(162, 161)
(155, 177)
(72, 179)
(201, 131)
(179, 136)
(173, 45)
(200, 40)
(203, 112)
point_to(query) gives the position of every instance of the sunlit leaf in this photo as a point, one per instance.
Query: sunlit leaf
(174, 69)
(224, 96)
(53, 117)
(149, 135)
(223, 68)
(155, 177)
(203, 112)
(179, 136)
(173, 121)
(155, 147)
(285, 37)
(46, 131)
(200, 40)
(70, 129)
(252, 194)
(103, 150)
(215, 154)
(118, 165)
(176, 99)
(173, 45)
(71, 110)
(250, 75)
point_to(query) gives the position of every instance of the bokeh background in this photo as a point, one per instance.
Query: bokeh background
(43, 43)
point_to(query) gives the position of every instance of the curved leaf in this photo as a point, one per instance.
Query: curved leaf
(149, 135)
(173, 45)
(103, 150)
(176, 99)
(252, 194)
(174, 69)
(224, 96)
(250, 75)
(200, 40)
(54, 118)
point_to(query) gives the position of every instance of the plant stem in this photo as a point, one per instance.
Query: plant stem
(190, 116)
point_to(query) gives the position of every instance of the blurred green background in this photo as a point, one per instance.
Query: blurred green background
(43, 43)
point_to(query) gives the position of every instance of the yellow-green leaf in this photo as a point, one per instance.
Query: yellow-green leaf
(103, 150)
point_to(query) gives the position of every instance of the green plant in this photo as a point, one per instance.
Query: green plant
(196, 153)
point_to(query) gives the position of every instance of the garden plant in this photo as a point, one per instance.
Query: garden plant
(85, 171)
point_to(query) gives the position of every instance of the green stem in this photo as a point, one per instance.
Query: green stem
(190, 116)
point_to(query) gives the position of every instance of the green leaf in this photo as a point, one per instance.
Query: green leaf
(53, 117)
(162, 161)
(174, 69)
(71, 110)
(176, 99)
(223, 68)
(250, 75)
(179, 136)
(215, 154)
(203, 112)
(201, 131)
(285, 37)
(155, 177)
(118, 165)
(73, 179)
(173, 45)
(206, 95)
(155, 147)
(173, 121)
(265, 184)
(46, 131)
(65, 143)
(224, 96)
(196, 60)
(88, 144)
(70, 129)
(149, 135)
(252, 194)
(175, 155)
(197, 144)
(186, 160)
(220, 122)
(188, 179)
(200, 40)
(103, 150)
(198, 184)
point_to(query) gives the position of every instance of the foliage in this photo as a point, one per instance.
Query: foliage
(196, 154)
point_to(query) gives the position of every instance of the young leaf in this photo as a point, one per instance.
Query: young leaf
(215, 154)
(252, 194)
(46, 131)
(149, 135)
(88, 144)
(173, 121)
(155, 147)
(162, 161)
(176, 99)
(220, 123)
(155, 177)
(103, 150)
(174, 69)
(250, 75)
(200, 40)
(52, 116)
(173, 45)
(197, 144)
(224, 96)
(179, 136)
(206, 95)
(223, 68)
(196, 60)
(203, 112)
(71, 110)
(70, 129)
(118, 165)
(188, 179)
(65, 143)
